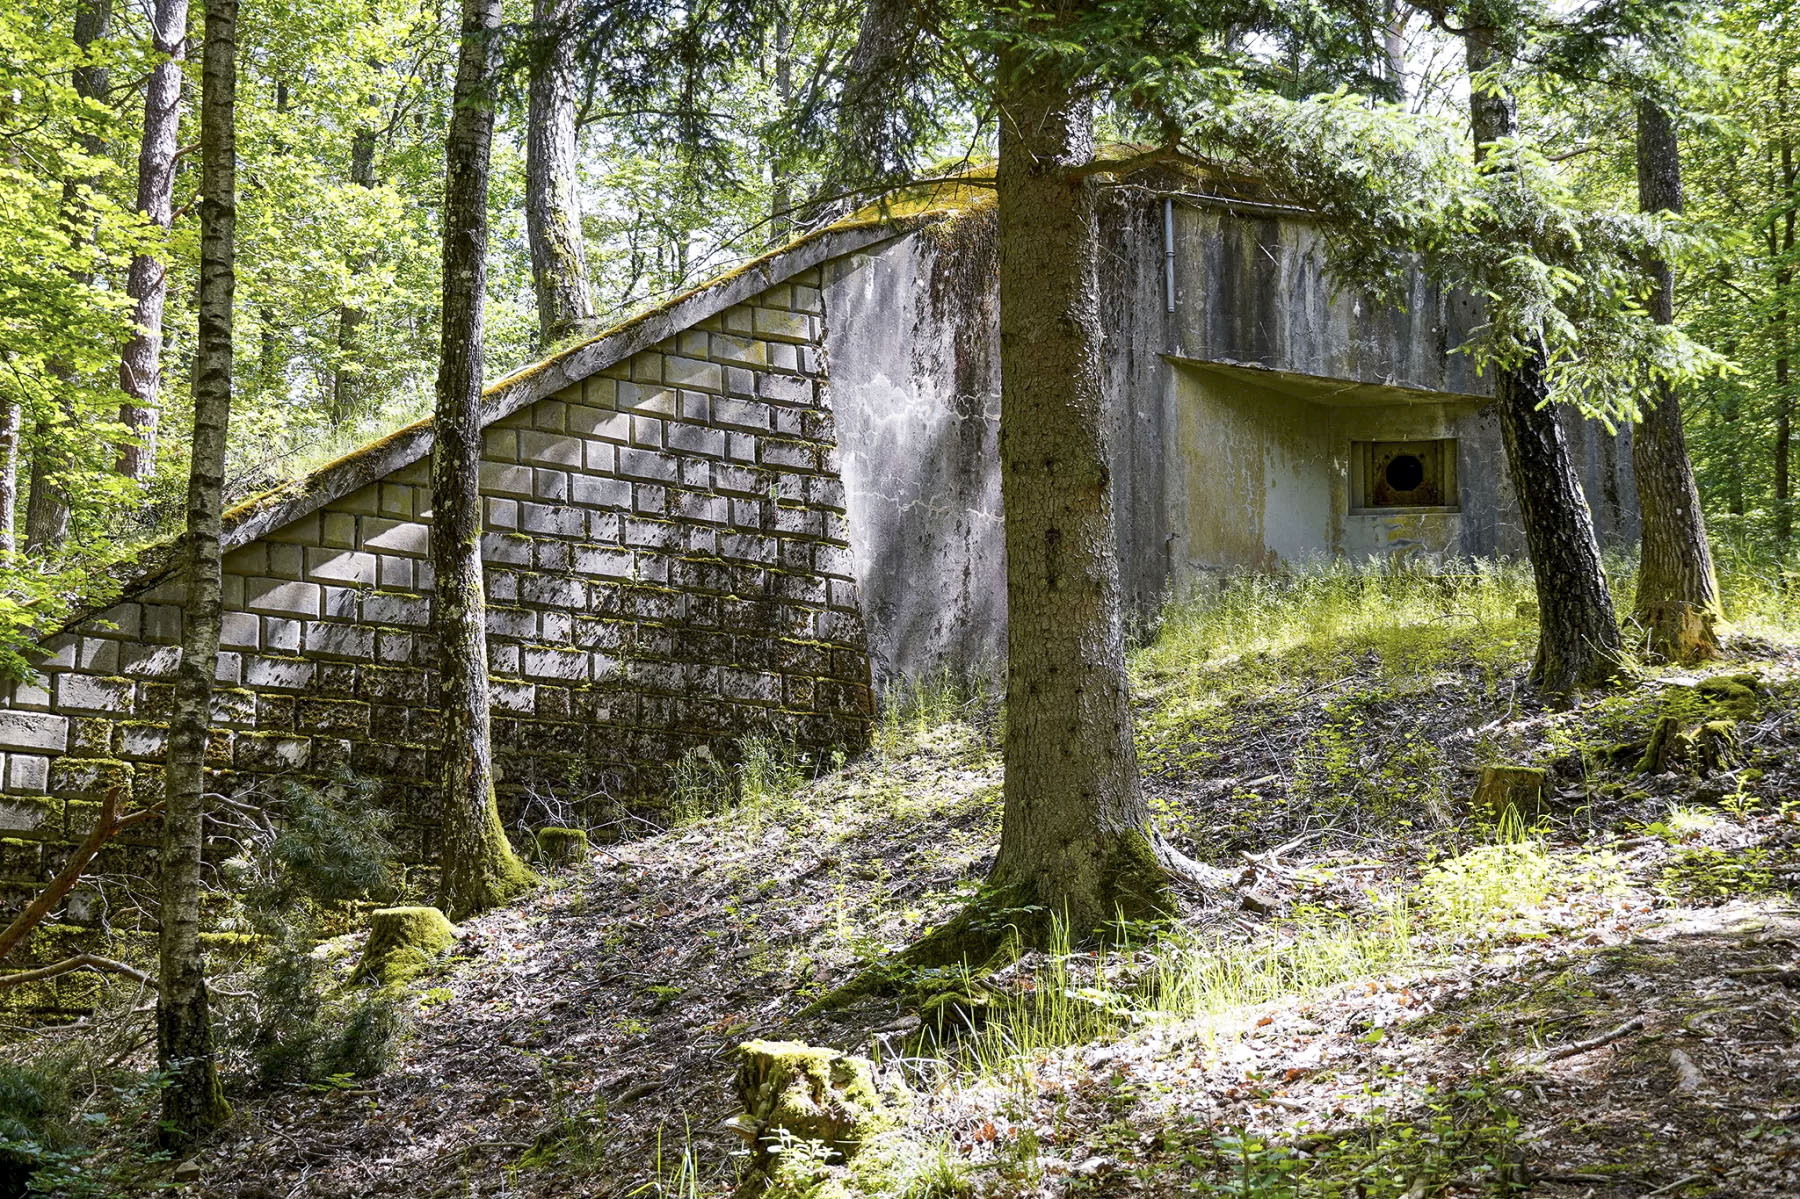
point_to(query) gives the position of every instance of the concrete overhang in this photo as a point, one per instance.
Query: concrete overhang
(1321, 389)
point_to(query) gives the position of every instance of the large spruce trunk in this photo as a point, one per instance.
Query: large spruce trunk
(147, 284)
(1579, 645)
(1678, 594)
(344, 376)
(552, 195)
(480, 869)
(193, 1102)
(1076, 840)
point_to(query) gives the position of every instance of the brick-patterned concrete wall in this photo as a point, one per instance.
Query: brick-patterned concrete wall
(667, 566)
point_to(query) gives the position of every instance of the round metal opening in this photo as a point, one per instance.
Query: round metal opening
(1405, 472)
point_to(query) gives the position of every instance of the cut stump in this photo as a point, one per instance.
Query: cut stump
(562, 846)
(1516, 788)
(403, 944)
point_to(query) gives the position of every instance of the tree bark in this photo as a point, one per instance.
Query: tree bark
(552, 189)
(1076, 840)
(147, 283)
(194, 1102)
(1678, 593)
(868, 139)
(781, 175)
(1579, 645)
(480, 869)
(47, 510)
(350, 317)
(10, 420)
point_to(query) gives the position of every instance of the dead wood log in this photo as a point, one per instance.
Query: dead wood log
(91, 961)
(109, 824)
(1577, 1048)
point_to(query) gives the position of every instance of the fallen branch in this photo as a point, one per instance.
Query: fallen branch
(1577, 1048)
(1687, 1075)
(1675, 1186)
(109, 824)
(91, 961)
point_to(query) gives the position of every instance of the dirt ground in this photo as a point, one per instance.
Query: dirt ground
(1636, 1033)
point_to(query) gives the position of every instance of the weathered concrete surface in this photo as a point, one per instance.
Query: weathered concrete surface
(1233, 420)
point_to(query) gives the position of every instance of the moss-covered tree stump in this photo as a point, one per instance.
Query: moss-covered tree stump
(1519, 789)
(559, 847)
(793, 1092)
(1708, 746)
(403, 944)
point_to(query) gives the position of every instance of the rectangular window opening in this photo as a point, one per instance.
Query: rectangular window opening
(1415, 476)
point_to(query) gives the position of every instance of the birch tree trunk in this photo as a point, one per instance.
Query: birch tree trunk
(552, 195)
(10, 417)
(194, 1102)
(480, 869)
(1678, 593)
(1579, 645)
(140, 365)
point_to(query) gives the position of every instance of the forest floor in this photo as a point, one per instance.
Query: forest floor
(1401, 998)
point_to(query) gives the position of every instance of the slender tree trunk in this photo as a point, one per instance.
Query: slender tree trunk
(868, 141)
(147, 284)
(47, 511)
(1579, 645)
(781, 175)
(1784, 275)
(1076, 840)
(350, 318)
(480, 869)
(10, 420)
(552, 188)
(1678, 593)
(194, 1102)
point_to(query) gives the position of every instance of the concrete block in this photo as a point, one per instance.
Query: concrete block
(500, 445)
(162, 624)
(537, 448)
(97, 655)
(364, 501)
(231, 591)
(807, 299)
(551, 591)
(304, 531)
(780, 325)
(784, 357)
(548, 415)
(26, 774)
(228, 668)
(602, 459)
(339, 603)
(141, 739)
(331, 639)
(26, 695)
(693, 372)
(393, 571)
(240, 630)
(270, 753)
(93, 693)
(550, 485)
(784, 389)
(499, 478)
(556, 521)
(645, 368)
(738, 319)
(746, 351)
(598, 391)
(278, 674)
(341, 566)
(279, 597)
(646, 399)
(741, 414)
(551, 554)
(281, 636)
(740, 381)
(646, 432)
(555, 664)
(503, 658)
(393, 649)
(286, 561)
(603, 527)
(512, 549)
(696, 439)
(396, 608)
(602, 562)
(30, 815)
(789, 455)
(502, 514)
(555, 628)
(338, 531)
(398, 501)
(149, 661)
(406, 536)
(648, 464)
(650, 499)
(122, 620)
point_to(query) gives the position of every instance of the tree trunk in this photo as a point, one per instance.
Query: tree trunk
(47, 511)
(1678, 593)
(147, 283)
(552, 189)
(10, 420)
(781, 175)
(350, 317)
(1076, 840)
(480, 869)
(194, 1103)
(868, 139)
(1579, 645)
(1784, 275)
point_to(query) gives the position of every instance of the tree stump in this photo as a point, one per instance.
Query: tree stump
(1519, 789)
(403, 944)
(797, 1092)
(1664, 751)
(562, 846)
